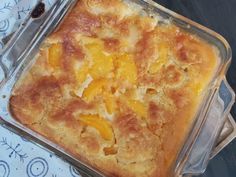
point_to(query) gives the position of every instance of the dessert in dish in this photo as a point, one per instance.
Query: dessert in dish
(116, 87)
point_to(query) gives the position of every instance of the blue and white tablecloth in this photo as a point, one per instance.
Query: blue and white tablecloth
(18, 156)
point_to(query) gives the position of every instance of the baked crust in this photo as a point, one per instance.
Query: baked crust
(115, 88)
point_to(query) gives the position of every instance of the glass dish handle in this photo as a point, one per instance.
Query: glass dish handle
(227, 134)
(22, 39)
(218, 130)
(29, 34)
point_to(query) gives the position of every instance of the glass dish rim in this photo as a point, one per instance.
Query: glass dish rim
(225, 62)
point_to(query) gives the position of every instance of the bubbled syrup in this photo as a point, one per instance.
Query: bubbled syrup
(38, 10)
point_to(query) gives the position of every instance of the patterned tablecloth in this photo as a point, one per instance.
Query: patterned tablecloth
(18, 156)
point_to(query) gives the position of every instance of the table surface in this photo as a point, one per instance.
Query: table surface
(219, 15)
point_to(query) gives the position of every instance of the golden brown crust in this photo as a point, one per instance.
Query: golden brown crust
(115, 89)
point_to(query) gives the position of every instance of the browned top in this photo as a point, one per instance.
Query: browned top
(115, 89)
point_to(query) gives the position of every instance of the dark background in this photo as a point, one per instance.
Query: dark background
(220, 16)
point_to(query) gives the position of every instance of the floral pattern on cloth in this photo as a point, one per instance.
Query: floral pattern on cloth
(18, 156)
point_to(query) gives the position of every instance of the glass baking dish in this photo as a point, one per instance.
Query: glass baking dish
(19, 53)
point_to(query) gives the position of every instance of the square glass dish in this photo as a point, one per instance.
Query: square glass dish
(195, 152)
